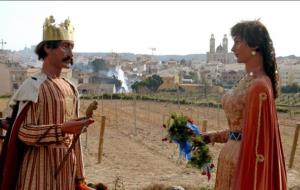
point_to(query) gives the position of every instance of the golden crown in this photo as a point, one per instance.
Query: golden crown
(64, 31)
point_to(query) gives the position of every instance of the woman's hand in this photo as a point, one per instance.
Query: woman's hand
(206, 138)
(82, 186)
(3, 124)
(75, 126)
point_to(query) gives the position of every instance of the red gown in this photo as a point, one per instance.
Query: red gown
(261, 163)
(257, 160)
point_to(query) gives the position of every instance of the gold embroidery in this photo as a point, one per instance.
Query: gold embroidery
(263, 96)
(234, 103)
(260, 158)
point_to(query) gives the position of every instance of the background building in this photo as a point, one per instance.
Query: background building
(220, 54)
(289, 74)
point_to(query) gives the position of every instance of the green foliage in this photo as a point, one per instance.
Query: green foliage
(117, 82)
(137, 85)
(201, 154)
(293, 88)
(99, 64)
(5, 96)
(182, 61)
(194, 76)
(154, 82)
(282, 109)
(284, 102)
(86, 97)
(151, 83)
(178, 130)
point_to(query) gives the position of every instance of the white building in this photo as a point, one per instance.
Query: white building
(289, 74)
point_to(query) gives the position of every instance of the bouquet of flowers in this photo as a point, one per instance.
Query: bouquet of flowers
(186, 134)
(201, 158)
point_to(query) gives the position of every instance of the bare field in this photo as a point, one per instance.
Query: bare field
(134, 153)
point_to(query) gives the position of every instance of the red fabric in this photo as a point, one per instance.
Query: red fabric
(11, 160)
(271, 173)
(82, 186)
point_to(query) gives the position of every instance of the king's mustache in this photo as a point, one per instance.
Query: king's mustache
(67, 59)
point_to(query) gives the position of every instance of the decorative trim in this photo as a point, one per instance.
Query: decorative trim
(259, 157)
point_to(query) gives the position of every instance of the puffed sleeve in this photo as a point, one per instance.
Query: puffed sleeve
(218, 136)
(34, 134)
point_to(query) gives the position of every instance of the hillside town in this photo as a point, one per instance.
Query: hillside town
(99, 73)
(141, 125)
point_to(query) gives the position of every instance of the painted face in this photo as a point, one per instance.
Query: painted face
(62, 57)
(66, 47)
(241, 50)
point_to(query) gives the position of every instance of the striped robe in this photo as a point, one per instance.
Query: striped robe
(41, 131)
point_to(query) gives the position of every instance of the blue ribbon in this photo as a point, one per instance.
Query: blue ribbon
(185, 147)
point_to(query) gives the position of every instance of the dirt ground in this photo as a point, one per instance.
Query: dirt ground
(134, 155)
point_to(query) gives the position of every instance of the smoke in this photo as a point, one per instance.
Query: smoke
(122, 78)
(109, 72)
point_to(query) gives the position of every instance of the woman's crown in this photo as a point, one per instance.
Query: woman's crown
(64, 31)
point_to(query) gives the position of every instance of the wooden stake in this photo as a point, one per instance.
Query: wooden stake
(162, 131)
(291, 112)
(296, 135)
(148, 119)
(86, 139)
(134, 112)
(204, 125)
(102, 108)
(116, 106)
(177, 92)
(0, 118)
(218, 121)
(101, 139)
(1, 132)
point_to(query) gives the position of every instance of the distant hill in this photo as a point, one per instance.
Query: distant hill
(289, 57)
(188, 57)
(132, 56)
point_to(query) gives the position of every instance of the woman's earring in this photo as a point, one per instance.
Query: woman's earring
(253, 52)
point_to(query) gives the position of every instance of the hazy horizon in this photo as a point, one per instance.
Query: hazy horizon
(172, 27)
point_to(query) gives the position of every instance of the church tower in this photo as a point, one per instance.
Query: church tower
(225, 44)
(212, 44)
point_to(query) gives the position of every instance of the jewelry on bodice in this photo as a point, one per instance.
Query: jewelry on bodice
(243, 83)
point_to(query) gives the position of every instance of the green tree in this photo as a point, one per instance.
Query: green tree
(182, 61)
(151, 83)
(194, 76)
(99, 64)
(154, 82)
(117, 82)
(293, 88)
(134, 86)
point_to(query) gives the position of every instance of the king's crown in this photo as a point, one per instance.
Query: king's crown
(64, 31)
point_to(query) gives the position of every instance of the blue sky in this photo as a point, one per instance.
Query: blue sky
(178, 27)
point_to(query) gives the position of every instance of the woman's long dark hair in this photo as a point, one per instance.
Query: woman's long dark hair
(256, 35)
(40, 48)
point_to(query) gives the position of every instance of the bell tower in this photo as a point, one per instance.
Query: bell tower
(212, 44)
(225, 43)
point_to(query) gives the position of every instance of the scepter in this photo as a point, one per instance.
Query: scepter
(89, 114)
